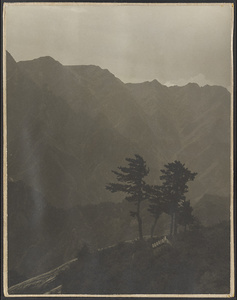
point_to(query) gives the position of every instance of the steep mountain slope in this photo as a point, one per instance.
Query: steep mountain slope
(193, 124)
(56, 143)
(69, 126)
(41, 236)
(87, 121)
(103, 94)
(195, 262)
(46, 283)
(211, 210)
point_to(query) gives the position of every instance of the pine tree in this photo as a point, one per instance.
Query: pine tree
(156, 206)
(174, 187)
(185, 216)
(132, 184)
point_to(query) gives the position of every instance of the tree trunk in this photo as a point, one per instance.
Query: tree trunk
(153, 227)
(175, 224)
(140, 228)
(139, 220)
(171, 224)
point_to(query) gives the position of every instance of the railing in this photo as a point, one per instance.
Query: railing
(161, 242)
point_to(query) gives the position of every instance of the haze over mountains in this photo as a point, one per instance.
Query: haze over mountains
(69, 126)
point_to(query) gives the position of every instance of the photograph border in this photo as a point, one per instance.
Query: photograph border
(4, 155)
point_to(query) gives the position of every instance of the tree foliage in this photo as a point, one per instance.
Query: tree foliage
(185, 216)
(169, 197)
(132, 183)
(157, 205)
(174, 179)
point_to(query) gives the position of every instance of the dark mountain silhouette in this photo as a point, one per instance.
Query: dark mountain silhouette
(68, 137)
(192, 125)
(41, 236)
(196, 262)
(69, 126)
(76, 123)
(212, 210)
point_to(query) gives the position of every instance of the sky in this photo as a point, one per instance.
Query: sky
(174, 44)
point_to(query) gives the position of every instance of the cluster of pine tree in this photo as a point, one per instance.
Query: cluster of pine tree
(168, 197)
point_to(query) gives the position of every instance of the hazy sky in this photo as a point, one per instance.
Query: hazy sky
(170, 43)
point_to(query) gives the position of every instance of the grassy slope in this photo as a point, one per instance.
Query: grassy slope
(198, 262)
(42, 284)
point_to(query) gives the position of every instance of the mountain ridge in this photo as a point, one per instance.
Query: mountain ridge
(69, 126)
(103, 121)
(152, 81)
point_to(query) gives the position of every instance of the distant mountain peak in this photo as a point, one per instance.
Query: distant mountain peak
(11, 65)
(47, 58)
(153, 82)
(9, 56)
(95, 74)
(91, 69)
(192, 84)
(43, 60)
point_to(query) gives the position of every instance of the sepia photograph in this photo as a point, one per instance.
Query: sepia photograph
(118, 149)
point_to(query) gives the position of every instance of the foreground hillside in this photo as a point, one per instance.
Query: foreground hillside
(69, 126)
(43, 284)
(42, 237)
(196, 262)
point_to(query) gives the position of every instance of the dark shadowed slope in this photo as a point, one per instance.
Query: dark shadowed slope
(69, 126)
(56, 143)
(211, 210)
(43, 284)
(42, 237)
(189, 123)
(195, 262)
